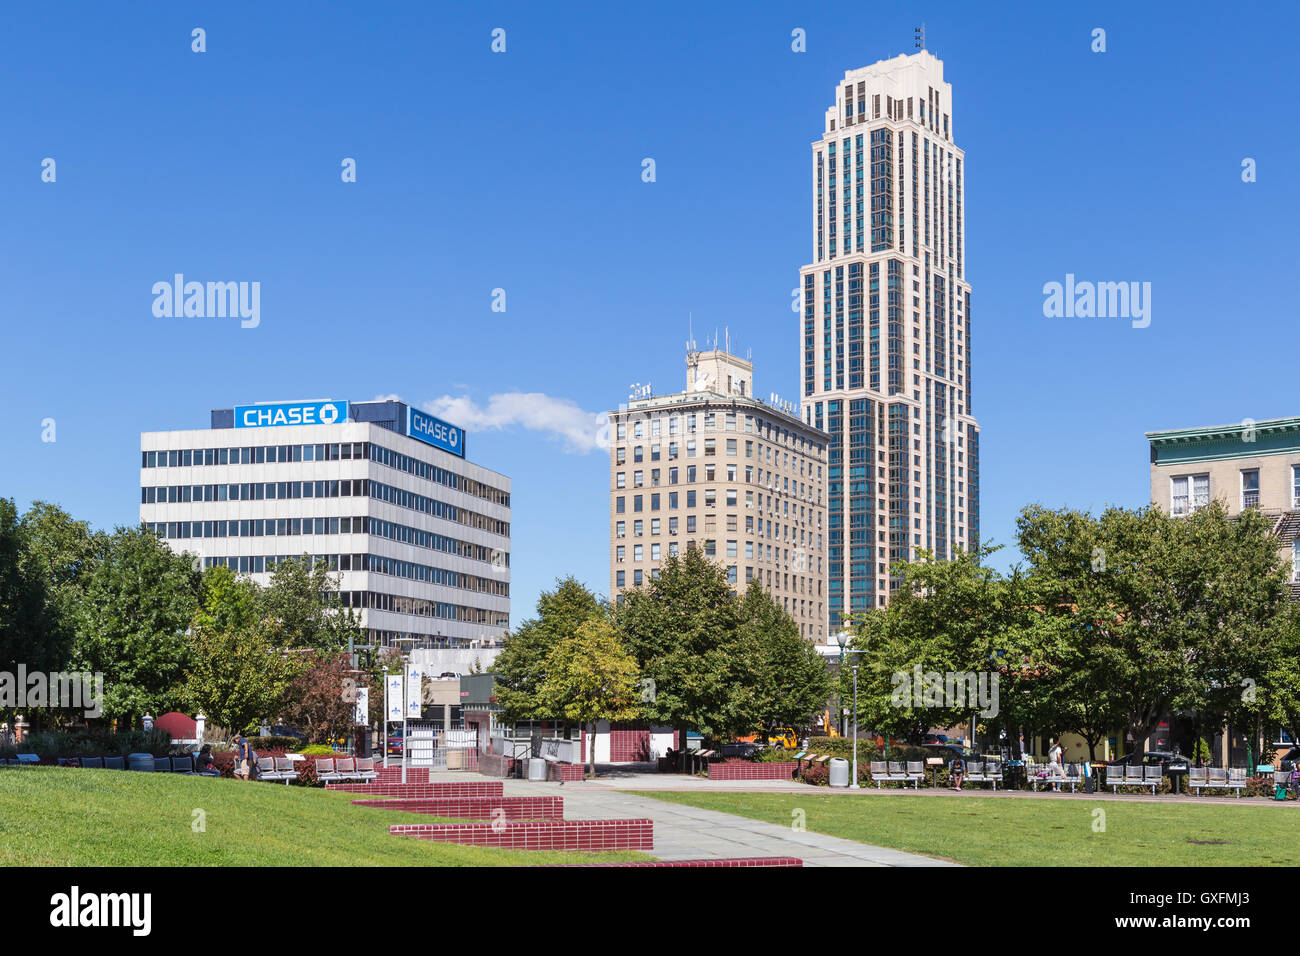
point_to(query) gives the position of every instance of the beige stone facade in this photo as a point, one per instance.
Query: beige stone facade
(1247, 465)
(714, 468)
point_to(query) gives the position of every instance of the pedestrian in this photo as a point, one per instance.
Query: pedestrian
(245, 758)
(957, 771)
(1055, 768)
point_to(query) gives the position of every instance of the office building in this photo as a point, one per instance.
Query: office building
(380, 491)
(714, 468)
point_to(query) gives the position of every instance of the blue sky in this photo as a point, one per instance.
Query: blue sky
(522, 171)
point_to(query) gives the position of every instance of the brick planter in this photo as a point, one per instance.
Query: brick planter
(748, 770)
(495, 765)
(441, 790)
(539, 835)
(477, 808)
(566, 773)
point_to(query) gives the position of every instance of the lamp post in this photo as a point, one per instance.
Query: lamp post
(842, 638)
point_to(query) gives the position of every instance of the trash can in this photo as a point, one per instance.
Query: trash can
(536, 768)
(839, 772)
(142, 762)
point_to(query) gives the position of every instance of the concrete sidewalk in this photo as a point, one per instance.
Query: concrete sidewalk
(687, 833)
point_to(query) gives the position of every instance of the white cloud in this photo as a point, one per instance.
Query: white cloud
(559, 418)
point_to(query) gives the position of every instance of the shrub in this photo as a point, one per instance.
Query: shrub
(773, 755)
(275, 742)
(317, 750)
(819, 775)
(96, 742)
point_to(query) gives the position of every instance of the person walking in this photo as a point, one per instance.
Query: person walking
(245, 758)
(1055, 768)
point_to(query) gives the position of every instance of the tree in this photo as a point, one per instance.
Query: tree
(683, 631)
(140, 597)
(591, 677)
(23, 600)
(793, 679)
(1167, 613)
(304, 610)
(957, 619)
(320, 699)
(59, 551)
(236, 675)
(521, 666)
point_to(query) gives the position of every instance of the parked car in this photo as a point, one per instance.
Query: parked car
(741, 748)
(1152, 758)
(395, 741)
(950, 751)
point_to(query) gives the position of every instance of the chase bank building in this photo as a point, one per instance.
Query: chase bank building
(378, 490)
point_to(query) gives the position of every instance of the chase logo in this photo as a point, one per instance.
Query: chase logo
(290, 413)
(436, 432)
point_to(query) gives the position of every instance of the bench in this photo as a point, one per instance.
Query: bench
(897, 772)
(984, 772)
(916, 773)
(365, 769)
(879, 773)
(183, 764)
(1237, 780)
(326, 773)
(1046, 775)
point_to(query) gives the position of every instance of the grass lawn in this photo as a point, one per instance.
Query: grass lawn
(56, 816)
(1014, 831)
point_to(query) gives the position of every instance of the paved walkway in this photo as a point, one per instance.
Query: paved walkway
(687, 833)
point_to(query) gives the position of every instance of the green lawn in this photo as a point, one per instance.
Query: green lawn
(55, 816)
(1020, 831)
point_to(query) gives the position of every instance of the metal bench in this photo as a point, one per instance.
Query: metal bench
(1198, 778)
(879, 773)
(974, 771)
(916, 773)
(1237, 780)
(993, 772)
(287, 769)
(897, 772)
(365, 769)
(325, 771)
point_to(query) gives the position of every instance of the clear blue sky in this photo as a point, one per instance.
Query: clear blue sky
(522, 171)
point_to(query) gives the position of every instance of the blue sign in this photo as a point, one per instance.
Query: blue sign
(436, 432)
(291, 413)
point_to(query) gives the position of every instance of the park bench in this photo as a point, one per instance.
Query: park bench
(266, 770)
(879, 773)
(974, 772)
(1046, 776)
(183, 764)
(1198, 778)
(287, 769)
(346, 767)
(897, 772)
(916, 773)
(325, 771)
(1237, 780)
(993, 772)
(989, 771)
(366, 769)
(94, 763)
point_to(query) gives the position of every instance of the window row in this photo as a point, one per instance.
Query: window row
(372, 563)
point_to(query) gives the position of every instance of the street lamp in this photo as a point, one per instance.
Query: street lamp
(842, 638)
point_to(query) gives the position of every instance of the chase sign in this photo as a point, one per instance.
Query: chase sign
(291, 413)
(436, 432)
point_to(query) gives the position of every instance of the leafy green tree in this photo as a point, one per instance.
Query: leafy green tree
(1164, 613)
(683, 630)
(303, 609)
(591, 677)
(951, 616)
(793, 680)
(140, 597)
(23, 597)
(236, 676)
(60, 552)
(227, 602)
(521, 666)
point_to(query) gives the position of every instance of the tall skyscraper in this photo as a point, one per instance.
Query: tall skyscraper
(886, 330)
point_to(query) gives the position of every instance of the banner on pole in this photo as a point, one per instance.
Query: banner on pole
(393, 705)
(414, 708)
(363, 706)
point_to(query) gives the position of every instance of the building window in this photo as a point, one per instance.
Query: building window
(1188, 492)
(620, 480)
(1295, 486)
(654, 552)
(620, 529)
(1295, 561)
(620, 553)
(637, 552)
(637, 527)
(636, 577)
(1249, 488)
(620, 578)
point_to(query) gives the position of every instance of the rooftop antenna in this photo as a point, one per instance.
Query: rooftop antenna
(918, 36)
